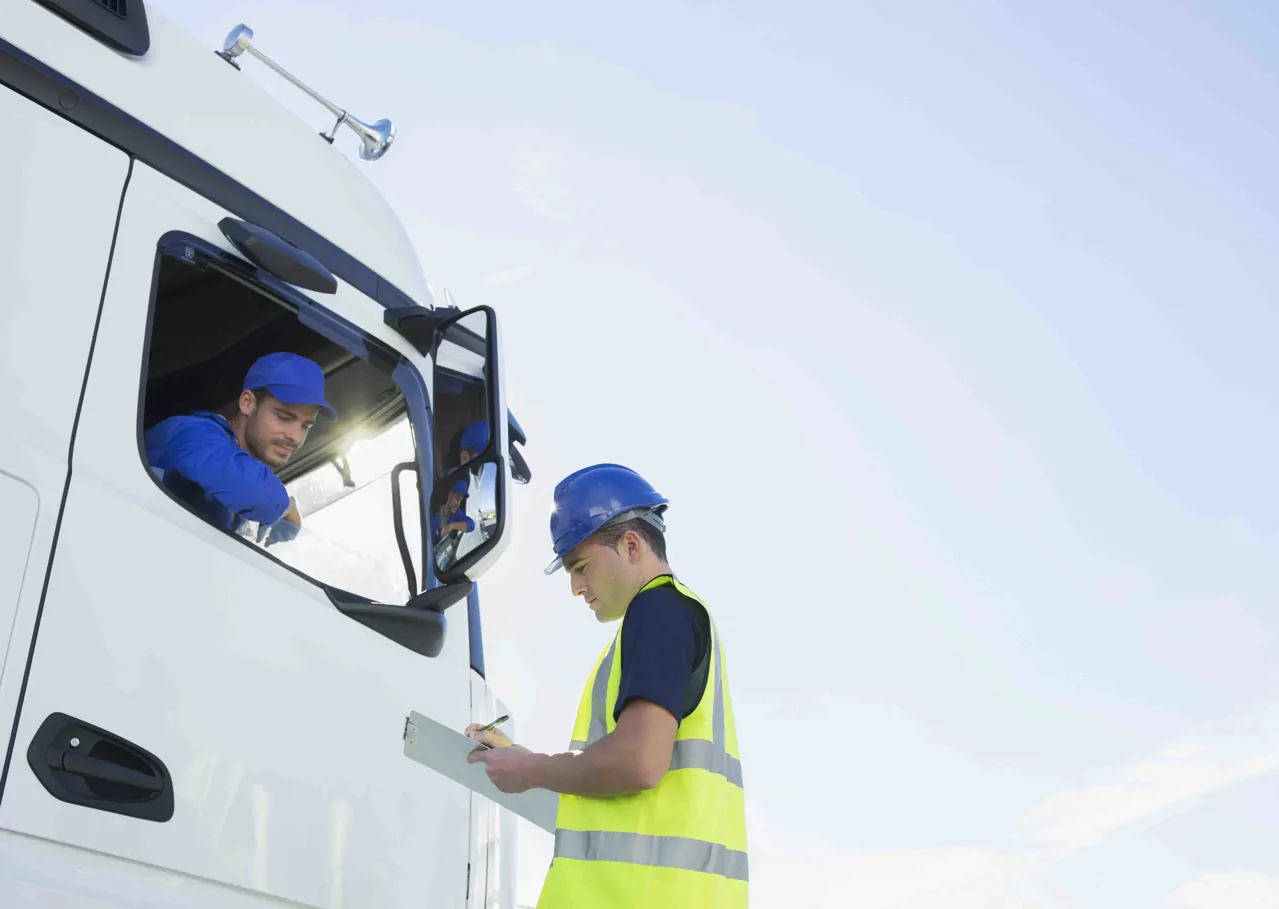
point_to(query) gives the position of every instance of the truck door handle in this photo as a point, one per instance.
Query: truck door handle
(84, 765)
(99, 769)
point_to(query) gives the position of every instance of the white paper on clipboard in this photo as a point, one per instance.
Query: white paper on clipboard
(444, 750)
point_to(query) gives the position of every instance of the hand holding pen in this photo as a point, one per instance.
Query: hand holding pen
(489, 734)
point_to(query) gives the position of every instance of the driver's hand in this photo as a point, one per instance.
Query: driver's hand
(283, 530)
(494, 738)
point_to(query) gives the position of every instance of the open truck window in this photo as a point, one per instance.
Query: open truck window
(354, 479)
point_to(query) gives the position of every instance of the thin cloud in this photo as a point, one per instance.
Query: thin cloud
(541, 182)
(1247, 747)
(787, 872)
(1227, 891)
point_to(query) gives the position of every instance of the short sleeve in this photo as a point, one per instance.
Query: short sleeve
(662, 644)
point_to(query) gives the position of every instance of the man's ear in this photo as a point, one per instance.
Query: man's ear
(248, 403)
(634, 545)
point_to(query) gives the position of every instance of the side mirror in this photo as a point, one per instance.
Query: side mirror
(470, 495)
(519, 467)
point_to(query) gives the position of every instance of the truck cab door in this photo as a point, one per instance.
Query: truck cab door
(193, 705)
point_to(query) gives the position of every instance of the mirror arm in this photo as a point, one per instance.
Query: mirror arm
(397, 516)
(344, 468)
(417, 324)
(438, 599)
(419, 630)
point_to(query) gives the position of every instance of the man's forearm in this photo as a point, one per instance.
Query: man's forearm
(605, 768)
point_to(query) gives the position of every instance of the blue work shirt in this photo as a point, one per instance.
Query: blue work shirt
(206, 467)
(458, 518)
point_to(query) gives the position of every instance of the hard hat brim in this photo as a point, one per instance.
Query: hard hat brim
(651, 516)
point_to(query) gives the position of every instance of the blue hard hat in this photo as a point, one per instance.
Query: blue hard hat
(475, 436)
(594, 496)
(290, 378)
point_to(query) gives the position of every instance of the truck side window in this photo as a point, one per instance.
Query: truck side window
(209, 326)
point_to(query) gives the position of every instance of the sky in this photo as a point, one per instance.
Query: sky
(946, 329)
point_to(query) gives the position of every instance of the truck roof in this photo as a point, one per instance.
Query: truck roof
(181, 89)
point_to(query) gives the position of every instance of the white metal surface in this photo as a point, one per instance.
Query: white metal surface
(46, 875)
(503, 830)
(278, 717)
(483, 811)
(19, 508)
(184, 91)
(53, 267)
(493, 828)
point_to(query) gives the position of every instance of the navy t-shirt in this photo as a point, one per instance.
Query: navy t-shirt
(666, 641)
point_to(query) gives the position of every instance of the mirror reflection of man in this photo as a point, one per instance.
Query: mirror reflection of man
(225, 469)
(475, 438)
(449, 516)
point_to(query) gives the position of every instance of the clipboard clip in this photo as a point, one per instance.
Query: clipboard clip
(410, 731)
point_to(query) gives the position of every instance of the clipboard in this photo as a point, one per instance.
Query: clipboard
(442, 749)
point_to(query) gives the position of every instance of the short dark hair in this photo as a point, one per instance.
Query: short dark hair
(611, 534)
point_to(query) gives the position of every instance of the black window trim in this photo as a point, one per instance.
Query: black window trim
(184, 246)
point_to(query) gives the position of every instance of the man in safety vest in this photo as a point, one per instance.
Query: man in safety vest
(651, 807)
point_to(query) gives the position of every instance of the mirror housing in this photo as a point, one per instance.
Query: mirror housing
(418, 325)
(469, 499)
(519, 467)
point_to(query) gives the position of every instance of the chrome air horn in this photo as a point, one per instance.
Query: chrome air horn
(375, 138)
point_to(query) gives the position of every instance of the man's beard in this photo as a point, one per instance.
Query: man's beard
(262, 450)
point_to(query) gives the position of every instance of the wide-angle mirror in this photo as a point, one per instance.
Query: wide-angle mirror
(469, 494)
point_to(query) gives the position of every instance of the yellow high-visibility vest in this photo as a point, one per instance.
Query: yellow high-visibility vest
(680, 845)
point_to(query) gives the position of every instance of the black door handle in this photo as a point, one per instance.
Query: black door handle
(79, 763)
(99, 769)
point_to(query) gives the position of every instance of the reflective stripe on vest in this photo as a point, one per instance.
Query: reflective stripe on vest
(641, 849)
(680, 844)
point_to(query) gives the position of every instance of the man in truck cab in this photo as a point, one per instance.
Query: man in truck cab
(225, 469)
(651, 806)
(474, 438)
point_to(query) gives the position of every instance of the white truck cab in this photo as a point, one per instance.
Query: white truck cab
(194, 715)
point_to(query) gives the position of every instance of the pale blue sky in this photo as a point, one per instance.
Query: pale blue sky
(947, 328)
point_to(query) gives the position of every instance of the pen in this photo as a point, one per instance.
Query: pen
(502, 719)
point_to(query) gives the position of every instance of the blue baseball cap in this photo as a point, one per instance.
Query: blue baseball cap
(475, 436)
(292, 379)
